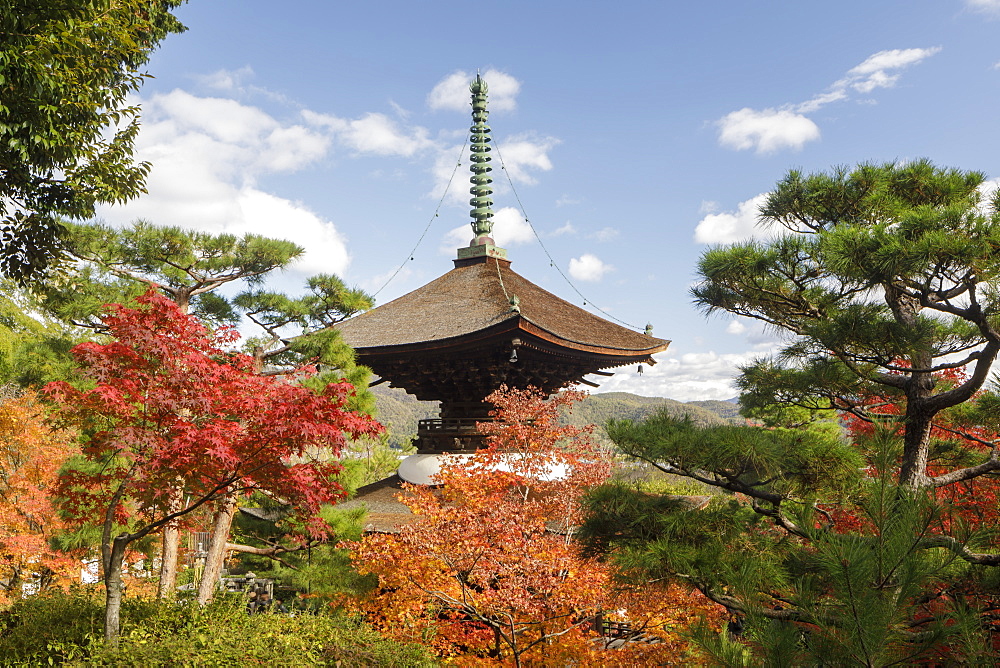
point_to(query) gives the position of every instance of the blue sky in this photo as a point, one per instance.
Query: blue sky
(636, 134)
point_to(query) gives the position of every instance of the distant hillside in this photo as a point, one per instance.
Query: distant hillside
(729, 409)
(400, 411)
(599, 408)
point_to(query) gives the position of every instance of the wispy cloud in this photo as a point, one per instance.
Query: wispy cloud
(565, 229)
(988, 7)
(523, 154)
(605, 234)
(237, 83)
(787, 127)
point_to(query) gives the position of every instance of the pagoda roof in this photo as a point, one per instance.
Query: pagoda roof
(472, 302)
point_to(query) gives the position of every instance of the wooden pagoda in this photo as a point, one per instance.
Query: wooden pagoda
(480, 326)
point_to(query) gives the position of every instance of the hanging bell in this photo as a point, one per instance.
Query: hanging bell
(640, 369)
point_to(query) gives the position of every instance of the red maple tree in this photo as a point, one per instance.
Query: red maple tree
(171, 405)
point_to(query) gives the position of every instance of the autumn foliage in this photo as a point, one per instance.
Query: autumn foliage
(172, 407)
(171, 401)
(490, 570)
(30, 456)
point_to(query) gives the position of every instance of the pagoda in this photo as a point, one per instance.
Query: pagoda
(481, 325)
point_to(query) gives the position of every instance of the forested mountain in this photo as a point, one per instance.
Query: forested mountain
(400, 411)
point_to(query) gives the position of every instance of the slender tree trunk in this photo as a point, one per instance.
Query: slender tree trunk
(222, 521)
(113, 589)
(168, 554)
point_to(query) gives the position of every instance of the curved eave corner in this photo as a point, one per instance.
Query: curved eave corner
(659, 345)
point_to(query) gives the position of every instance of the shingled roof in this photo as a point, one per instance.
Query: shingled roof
(473, 300)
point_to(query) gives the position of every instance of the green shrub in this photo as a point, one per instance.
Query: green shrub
(66, 629)
(50, 628)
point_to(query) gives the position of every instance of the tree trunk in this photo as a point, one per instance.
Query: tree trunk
(113, 589)
(920, 386)
(168, 554)
(916, 441)
(222, 521)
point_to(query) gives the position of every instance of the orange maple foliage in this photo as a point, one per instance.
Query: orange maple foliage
(30, 456)
(490, 572)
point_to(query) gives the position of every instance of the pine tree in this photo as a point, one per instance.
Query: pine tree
(826, 549)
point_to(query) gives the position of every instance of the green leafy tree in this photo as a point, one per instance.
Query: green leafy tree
(66, 126)
(34, 348)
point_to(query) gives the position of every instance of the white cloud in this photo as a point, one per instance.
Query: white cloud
(509, 229)
(373, 284)
(523, 153)
(787, 127)
(566, 200)
(986, 192)
(732, 226)
(817, 102)
(373, 134)
(588, 267)
(266, 214)
(766, 131)
(736, 327)
(207, 154)
(684, 377)
(404, 114)
(452, 92)
(377, 133)
(988, 7)
(237, 83)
